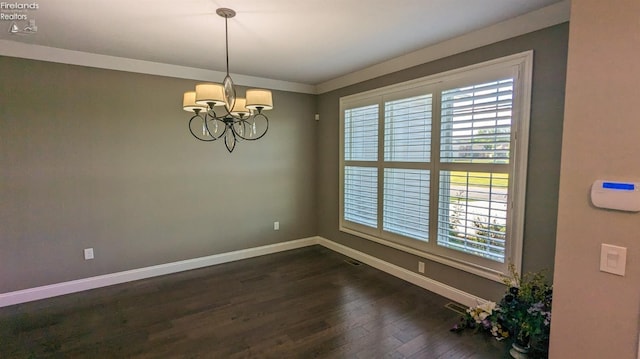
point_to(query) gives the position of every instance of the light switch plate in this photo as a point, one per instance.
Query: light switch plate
(613, 259)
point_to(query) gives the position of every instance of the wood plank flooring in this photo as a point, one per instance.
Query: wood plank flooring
(304, 303)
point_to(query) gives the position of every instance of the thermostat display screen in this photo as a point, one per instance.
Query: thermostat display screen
(618, 185)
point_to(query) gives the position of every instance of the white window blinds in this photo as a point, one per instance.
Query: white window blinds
(475, 142)
(407, 134)
(406, 202)
(437, 165)
(361, 133)
(361, 195)
(473, 212)
(476, 123)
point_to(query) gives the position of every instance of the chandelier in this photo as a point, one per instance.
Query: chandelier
(219, 114)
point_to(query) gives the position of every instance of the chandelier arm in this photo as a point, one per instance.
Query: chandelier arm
(213, 118)
(240, 128)
(254, 117)
(227, 113)
(196, 136)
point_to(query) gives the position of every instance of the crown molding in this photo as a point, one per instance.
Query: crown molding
(64, 56)
(548, 16)
(536, 20)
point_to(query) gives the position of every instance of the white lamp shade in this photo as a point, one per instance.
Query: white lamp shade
(189, 102)
(209, 93)
(239, 108)
(257, 98)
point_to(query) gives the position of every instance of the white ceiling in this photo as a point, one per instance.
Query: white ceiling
(300, 41)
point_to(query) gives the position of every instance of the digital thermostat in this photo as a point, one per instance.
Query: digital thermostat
(623, 196)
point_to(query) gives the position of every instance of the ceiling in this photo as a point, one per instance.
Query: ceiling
(300, 41)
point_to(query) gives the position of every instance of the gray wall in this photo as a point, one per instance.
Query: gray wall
(550, 58)
(103, 159)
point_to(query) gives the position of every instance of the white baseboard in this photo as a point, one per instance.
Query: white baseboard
(53, 290)
(429, 284)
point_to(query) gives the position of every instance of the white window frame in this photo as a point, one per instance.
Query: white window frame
(520, 66)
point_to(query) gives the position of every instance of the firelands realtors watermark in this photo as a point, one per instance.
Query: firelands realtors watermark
(9, 10)
(18, 14)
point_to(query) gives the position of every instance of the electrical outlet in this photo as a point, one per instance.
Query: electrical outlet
(88, 253)
(420, 267)
(276, 226)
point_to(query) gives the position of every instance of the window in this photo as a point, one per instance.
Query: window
(437, 166)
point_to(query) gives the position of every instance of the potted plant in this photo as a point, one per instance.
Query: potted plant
(523, 315)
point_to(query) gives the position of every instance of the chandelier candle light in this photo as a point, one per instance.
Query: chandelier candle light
(220, 114)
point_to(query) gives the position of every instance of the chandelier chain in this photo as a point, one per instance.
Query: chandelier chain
(226, 35)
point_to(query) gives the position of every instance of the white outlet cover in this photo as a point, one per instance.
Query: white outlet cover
(88, 253)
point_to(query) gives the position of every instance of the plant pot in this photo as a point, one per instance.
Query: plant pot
(518, 351)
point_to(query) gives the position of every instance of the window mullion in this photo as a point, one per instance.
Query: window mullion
(477, 167)
(380, 164)
(434, 166)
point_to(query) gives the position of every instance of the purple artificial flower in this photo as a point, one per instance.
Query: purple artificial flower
(536, 307)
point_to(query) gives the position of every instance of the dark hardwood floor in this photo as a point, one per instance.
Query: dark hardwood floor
(305, 303)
